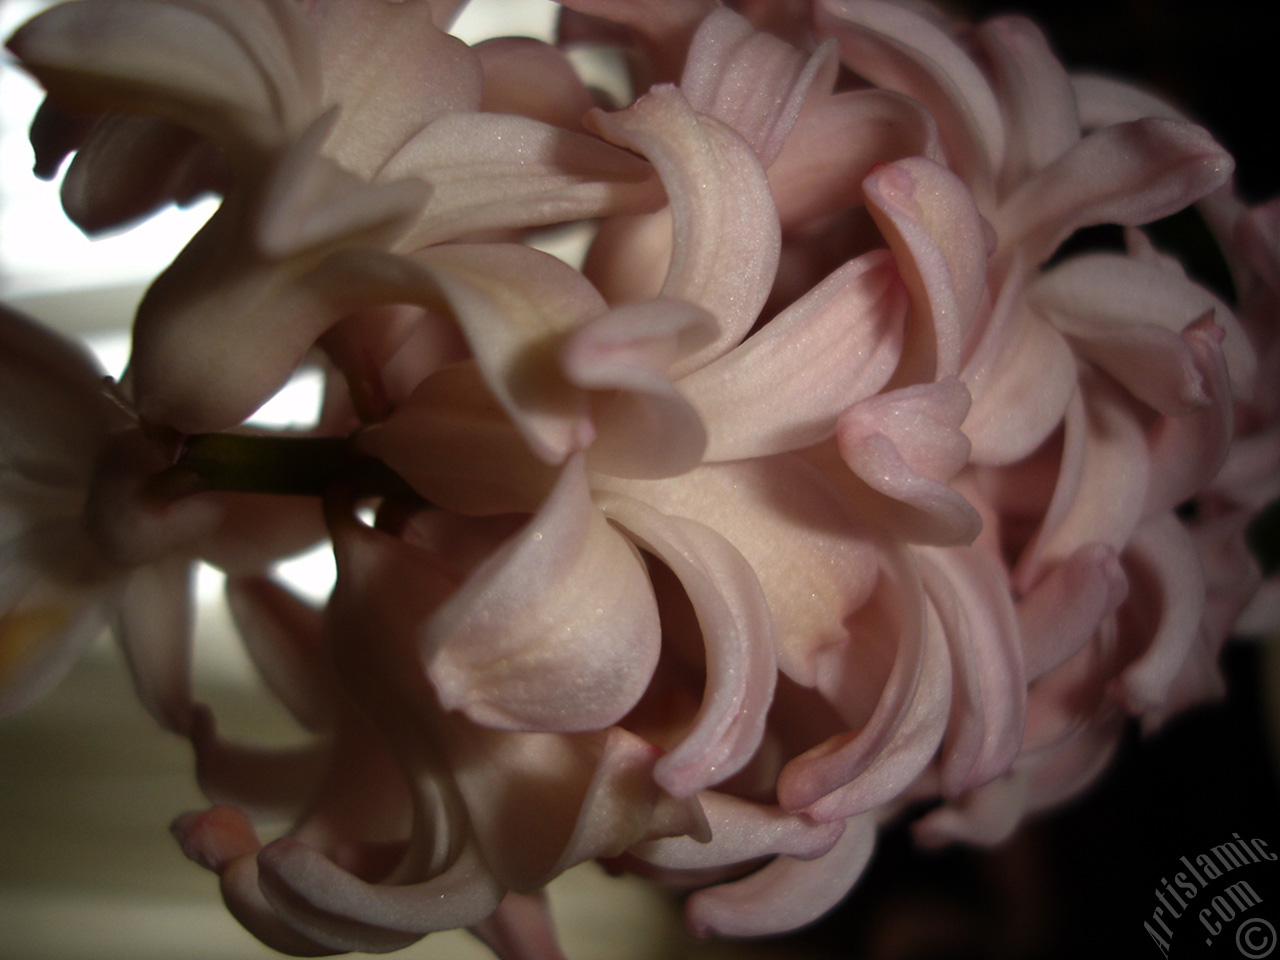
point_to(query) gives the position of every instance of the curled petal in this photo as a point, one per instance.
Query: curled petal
(815, 562)
(986, 815)
(131, 167)
(835, 144)
(452, 441)
(1126, 315)
(742, 831)
(214, 70)
(558, 630)
(490, 171)
(783, 387)
(1169, 583)
(222, 839)
(153, 625)
(645, 426)
(378, 59)
(898, 49)
(738, 634)
(939, 243)
(514, 305)
(1129, 174)
(753, 81)
(336, 908)
(1102, 482)
(905, 446)
(726, 227)
(520, 929)
(786, 893)
(891, 684)
(1039, 104)
(1021, 376)
(532, 79)
(540, 803)
(1064, 610)
(970, 590)
(282, 636)
(262, 780)
(1188, 451)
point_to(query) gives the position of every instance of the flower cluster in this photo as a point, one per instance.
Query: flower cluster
(826, 485)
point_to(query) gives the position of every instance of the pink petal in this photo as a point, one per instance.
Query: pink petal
(1104, 300)
(786, 893)
(898, 49)
(939, 243)
(223, 840)
(1128, 174)
(727, 237)
(1039, 105)
(663, 28)
(533, 79)
(454, 444)
(783, 387)
(540, 803)
(738, 635)
(265, 781)
(513, 304)
(336, 908)
(1021, 376)
(216, 71)
(835, 144)
(281, 634)
(1067, 607)
(815, 562)
(558, 630)
(46, 622)
(645, 427)
(742, 831)
(153, 626)
(986, 815)
(891, 684)
(905, 446)
(1102, 482)
(753, 81)
(1187, 452)
(970, 590)
(378, 60)
(495, 171)
(1168, 604)
(133, 166)
(520, 929)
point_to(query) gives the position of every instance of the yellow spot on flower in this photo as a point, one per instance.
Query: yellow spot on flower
(22, 632)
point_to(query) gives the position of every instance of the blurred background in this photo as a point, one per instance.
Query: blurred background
(87, 785)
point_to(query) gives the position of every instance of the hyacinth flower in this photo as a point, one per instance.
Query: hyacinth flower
(828, 485)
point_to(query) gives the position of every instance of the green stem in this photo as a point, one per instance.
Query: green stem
(298, 466)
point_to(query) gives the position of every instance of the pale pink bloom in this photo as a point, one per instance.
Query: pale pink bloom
(826, 487)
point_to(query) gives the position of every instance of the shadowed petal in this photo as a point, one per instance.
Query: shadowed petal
(891, 684)
(898, 49)
(738, 634)
(786, 893)
(558, 630)
(784, 386)
(498, 171)
(645, 426)
(1129, 174)
(727, 237)
(835, 143)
